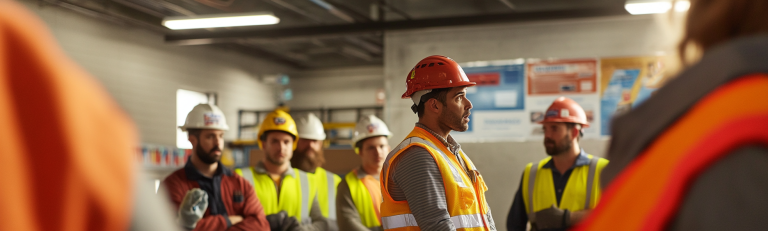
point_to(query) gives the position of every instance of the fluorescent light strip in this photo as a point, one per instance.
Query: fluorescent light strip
(219, 21)
(655, 7)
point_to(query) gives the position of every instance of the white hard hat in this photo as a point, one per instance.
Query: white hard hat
(369, 126)
(310, 128)
(205, 116)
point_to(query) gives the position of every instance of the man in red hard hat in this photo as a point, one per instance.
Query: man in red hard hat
(543, 198)
(428, 183)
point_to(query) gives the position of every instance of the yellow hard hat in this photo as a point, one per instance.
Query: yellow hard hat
(278, 120)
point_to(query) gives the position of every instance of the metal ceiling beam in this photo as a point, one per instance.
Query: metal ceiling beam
(333, 10)
(357, 28)
(263, 54)
(397, 11)
(508, 4)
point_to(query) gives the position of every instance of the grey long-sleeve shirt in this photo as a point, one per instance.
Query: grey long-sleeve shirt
(415, 177)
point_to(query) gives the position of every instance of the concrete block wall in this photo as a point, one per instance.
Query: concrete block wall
(502, 163)
(143, 73)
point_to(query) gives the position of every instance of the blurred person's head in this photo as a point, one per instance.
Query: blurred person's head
(560, 137)
(206, 144)
(278, 147)
(205, 126)
(563, 123)
(370, 141)
(713, 22)
(278, 137)
(373, 151)
(308, 154)
(309, 150)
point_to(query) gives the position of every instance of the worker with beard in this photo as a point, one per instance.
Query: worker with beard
(428, 182)
(288, 194)
(359, 197)
(208, 195)
(308, 157)
(560, 190)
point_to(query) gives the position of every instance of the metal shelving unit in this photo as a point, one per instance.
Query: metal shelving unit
(331, 118)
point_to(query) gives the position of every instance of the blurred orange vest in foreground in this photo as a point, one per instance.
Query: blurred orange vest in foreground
(647, 194)
(66, 146)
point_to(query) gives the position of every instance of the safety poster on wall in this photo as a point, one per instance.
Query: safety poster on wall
(573, 78)
(498, 102)
(512, 96)
(626, 83)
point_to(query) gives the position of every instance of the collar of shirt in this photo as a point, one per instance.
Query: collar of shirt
(193, 174)
(581, 160)
(448, 142)
(261, 169)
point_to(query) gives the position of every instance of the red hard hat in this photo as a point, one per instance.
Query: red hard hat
(565, 110)
(435, 72)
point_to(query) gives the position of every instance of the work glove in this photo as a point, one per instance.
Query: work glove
(193, 208)
(291, 224)
(552, 218)
(276, 220)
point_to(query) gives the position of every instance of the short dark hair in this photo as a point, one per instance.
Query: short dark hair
(440, 94)
(194, 132)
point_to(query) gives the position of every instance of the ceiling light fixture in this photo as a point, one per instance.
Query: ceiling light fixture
(219, 20)
(637, 7)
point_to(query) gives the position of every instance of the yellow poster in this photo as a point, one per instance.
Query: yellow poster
(625, 83)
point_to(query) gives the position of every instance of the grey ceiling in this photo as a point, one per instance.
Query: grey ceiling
(329, 33)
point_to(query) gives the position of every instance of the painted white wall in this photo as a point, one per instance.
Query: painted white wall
(339, 87)
(143, 73)
(502, 163)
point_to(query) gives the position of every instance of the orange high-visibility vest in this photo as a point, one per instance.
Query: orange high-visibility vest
(68, 149)
(465, 196)
(647, 194)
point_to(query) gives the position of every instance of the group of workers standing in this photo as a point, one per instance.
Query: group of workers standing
(287, 189)
(425, 183)
(692, 157)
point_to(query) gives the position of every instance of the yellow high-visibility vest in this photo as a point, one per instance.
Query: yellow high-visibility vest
(297, 192)
(582, 191)
(464, 191)
(326, 191)
(362, 198)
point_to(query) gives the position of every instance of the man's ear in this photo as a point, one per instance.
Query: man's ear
(576, 131)
(192, 138)
(434, 105)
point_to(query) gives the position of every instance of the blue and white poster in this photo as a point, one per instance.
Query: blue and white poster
(498, 103)
(616, 98)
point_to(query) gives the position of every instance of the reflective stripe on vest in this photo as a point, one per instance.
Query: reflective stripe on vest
(305, 203)
(362, 199)
(326, 191)
(408, 141)
(265, 190)
(459, 222)
(718, 124)
(567, 199)
(331, 184)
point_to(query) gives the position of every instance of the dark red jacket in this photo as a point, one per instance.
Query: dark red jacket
(237, 195)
